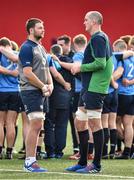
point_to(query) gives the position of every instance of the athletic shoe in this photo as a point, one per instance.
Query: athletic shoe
(122, 156)
(9, 155)
(22, 151)
(48, 156)
(75, 156)
(14, 151)
(91, 168)
(59, 156)
(111, 156)
(105, 156)
(118, 152)
(1, 156)
(22, 157)
(34, 167)
(75, 167)
(132, 157)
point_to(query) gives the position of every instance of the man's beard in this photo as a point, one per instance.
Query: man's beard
(37, 37)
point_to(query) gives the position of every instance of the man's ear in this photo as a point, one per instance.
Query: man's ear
(31, 30)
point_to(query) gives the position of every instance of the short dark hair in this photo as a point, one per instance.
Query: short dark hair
(31, 23)
(65, 37)
(56, 49)
(5, 42)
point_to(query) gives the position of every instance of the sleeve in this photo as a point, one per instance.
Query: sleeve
(98, 47)
(119, 57)
(98, 50)
(49, 60)
(77, 57)
(26, 56)
(0, 57)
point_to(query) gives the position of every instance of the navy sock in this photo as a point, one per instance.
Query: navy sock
(98, 146)
(83, 137)
(106, 139)
(90, 148)
(113, 140)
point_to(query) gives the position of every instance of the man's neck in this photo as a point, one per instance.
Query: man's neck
(33, 39)
(95, 30)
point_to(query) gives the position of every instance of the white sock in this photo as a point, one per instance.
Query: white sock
(29, 160)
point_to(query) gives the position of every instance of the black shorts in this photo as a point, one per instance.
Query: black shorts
(126, 105)
(91, 100)
(33, 101)
(9, 101)
(110, 103)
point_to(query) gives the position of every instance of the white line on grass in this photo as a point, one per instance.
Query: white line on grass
(72, 174)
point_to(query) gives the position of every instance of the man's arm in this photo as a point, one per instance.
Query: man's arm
(32, 78)
(118, 73)
(65, 65)
(9, 72)
(59, 78)
(127, 82)
(50, 82)
(127, 54)
(98, 64)
(9, 54)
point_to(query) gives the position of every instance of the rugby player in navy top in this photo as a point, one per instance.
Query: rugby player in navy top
(35, 83)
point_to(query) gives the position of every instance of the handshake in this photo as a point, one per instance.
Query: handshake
(47, 90)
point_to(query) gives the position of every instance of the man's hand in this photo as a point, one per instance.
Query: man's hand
(125, 82)
(67, 86)
(75, 68)
(2, 69)
(115, 85)
(50, 88)
(45, 90)
(55, 58)
(1, 48)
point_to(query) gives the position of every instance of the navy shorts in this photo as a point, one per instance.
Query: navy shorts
(33, 101)
(110, 102)
(21, 105)
(91, 100)
(126, 105)
(9, 101)
(76, 97)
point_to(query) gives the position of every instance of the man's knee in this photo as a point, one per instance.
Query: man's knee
(81, 115)
(93, 114)
(81, 120)
(36, 116)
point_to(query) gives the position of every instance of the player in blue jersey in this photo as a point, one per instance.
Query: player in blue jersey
(9, 96)
(126, 99)
(109, 112)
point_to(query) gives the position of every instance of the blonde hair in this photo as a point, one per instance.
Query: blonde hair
(80, 40)
(15, 46)
(119, 45)
(126, 38)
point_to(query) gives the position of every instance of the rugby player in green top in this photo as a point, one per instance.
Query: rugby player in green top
(96, 70)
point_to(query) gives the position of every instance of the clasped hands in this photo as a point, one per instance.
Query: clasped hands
(47, 90)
